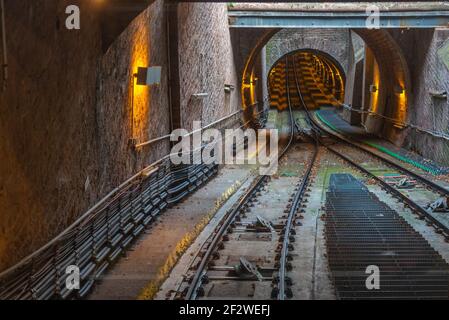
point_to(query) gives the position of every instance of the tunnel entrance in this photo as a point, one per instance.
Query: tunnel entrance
(363, 71)
(321, 80)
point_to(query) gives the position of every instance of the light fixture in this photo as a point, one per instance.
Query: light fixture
(438, 94)
(399, 89)
(229, 88)
(145, 76)
(373, 88)
(254, 81)
(148, 76)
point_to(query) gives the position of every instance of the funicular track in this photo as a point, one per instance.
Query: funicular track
(362, 231)
(212, 268)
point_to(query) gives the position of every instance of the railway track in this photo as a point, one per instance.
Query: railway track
(249, 255)
(249, 252)
(361, 225)
(418, 209)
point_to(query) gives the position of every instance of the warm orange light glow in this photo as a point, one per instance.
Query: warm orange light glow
(252, 88)
(401, 113)
(140, 113)
(2, 246)
(375, 95)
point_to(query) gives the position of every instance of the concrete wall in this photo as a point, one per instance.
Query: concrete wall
(428, 73)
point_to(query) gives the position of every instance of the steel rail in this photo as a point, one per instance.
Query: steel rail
(229, 218)
(395, 192)
(421, 211)
(433, 185)
(226, 222)
(102, 203)
(289, 225)
(97, 241)
(295, 204)
(97, 237)
(441, 190)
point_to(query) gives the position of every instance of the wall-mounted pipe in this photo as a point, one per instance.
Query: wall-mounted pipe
(4, 49)
(200, 95)
(166, 137)
(438, 94)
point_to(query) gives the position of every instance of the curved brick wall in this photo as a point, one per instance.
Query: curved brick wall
(334, 42)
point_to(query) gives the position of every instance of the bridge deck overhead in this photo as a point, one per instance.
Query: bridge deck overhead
(341, 19)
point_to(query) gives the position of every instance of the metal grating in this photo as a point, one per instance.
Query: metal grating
(361, 231)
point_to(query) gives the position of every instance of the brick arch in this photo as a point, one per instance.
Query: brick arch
(314, 93)
(395, 75)
(392, 64)
(335, 63)
(246, 89)
(322, 40)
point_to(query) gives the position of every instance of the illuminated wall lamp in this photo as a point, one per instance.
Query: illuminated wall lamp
(148, 76)
(399, 89)
(145, 76)
(254, 81)
(229, 88)
(373, 88)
